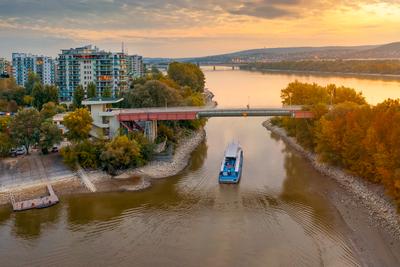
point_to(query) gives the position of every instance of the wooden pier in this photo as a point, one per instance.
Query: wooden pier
(37, 203)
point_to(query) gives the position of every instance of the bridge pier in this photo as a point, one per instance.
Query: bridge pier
(150, 130)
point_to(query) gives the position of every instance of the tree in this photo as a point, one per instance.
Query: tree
(12, 106)
(25, 127)
(152, 94)
(106, 92)
(28, 100)
(31, 81)
(5, 123)
(39, 97)
(91, 90)
(120, 153)
(50, 134)
(79, 124)
(187, 74)
(79, 95)
(48, 110)
(51, 93)
(5, 144)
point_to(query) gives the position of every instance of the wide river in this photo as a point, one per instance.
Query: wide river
(278, 215)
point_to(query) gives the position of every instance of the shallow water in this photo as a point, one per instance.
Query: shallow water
(277, 216)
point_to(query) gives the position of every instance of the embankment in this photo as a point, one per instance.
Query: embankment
(380, 208)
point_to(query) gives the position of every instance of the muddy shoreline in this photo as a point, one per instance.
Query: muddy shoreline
(371, 217)
(130, 180)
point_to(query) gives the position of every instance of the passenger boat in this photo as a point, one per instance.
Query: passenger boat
(231, 167)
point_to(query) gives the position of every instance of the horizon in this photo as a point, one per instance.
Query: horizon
(182, 29)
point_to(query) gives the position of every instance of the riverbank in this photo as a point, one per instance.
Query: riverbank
(130, 180)
(161, 169)
(381, 209)
(313, 72)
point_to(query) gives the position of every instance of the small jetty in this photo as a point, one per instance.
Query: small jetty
(37, 203)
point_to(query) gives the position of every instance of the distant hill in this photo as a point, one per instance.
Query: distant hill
(386, 51)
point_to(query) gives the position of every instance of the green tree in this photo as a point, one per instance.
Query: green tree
(79, 95)
(31, 81)
(152, 94)
(187, 74)
(91, 90)
(51, 94)
(25, 127)
(50, 134)
(39, 96)
(79, 124)
(5, 144)
(48, 110)
(106, 92)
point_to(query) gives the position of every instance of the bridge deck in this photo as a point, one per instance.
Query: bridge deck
(191, 113)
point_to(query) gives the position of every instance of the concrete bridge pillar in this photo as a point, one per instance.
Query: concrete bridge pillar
(150, 130)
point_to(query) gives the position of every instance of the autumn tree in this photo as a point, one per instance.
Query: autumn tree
(120, 153)
(48, 110)
(79, 124)
(187, 74)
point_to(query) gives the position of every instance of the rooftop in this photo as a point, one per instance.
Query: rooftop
(101, 100)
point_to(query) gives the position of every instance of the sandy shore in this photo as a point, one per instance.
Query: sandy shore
(382, 211)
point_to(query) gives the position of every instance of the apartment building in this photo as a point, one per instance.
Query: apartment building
(83, 65)
(23, 63)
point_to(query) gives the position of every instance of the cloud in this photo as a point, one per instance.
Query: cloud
(179, 22)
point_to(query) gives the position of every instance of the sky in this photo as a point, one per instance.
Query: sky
(186, 28)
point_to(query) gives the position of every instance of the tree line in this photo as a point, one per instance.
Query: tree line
(360, 138)
(389, 67)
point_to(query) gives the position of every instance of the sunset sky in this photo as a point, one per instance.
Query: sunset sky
(182, 28)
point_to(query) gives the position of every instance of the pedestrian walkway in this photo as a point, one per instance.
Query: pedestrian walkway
(85, 179)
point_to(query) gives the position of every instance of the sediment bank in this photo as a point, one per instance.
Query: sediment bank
(381, 210)
(131, 180)
(157, 169)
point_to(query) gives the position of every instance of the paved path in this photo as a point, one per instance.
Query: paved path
(85, 179)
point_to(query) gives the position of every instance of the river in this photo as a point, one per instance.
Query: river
(279, 215)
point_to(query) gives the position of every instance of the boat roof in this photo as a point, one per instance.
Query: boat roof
(231, 150)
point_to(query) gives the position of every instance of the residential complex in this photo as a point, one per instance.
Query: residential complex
(24, 63)
(83, 65)
(135, 67)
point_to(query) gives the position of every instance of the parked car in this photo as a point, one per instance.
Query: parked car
(20, 151)
(54, 149)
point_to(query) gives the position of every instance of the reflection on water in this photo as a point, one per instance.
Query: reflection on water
(277, 216)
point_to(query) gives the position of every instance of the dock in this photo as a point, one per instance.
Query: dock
(37, 203)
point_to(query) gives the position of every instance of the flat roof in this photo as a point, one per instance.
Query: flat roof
(101, 100)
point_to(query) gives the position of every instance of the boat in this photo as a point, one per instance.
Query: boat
(231, 167)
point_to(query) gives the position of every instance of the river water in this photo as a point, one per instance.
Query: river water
(278, 215)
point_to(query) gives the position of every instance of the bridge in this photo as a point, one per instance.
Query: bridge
(107, 121)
